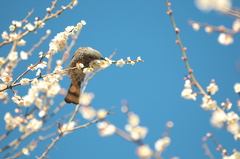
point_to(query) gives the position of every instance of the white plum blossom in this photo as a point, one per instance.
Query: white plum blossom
(13, 56)
(2, 86)
(13, 36)
(34, 124)
(95, 64)
(53, 49)
(16, 98)
(42, 65)
(29, 27)
(42, 85)
(3, 95)
(79, 26)
(236, 25)
(53, 90)
(59, 62)
(120, 63)
(105, 63)
(6, 78)
(237, 87)
(187, 84)
(33, 91)
(25, 151)
(218, 118)
(208, 29)
(196, 26)
(139, 59)
(133, 119)
(235, 155)
(212, 88)
(21, 42)
(52, 79)
(86, 98)
(161, 144)
(12, 27)
(136, 132)
(106, 129)
(69, 30)
(18, 24)
(23, 55)
(237, 136)
(225, 39)
(12, 122)
(233, 128)
(83, 22)
(48, 9)
(144, 151)
(38, 72)
(5, 35)
(79, 65)
(58, 70)
(28, 100)
(88, 112)
(87, 70)
(58, 43)
(24, 81)
(208, 5)
(232, 117)
(187, 93)
(208, 103)
(101, 114)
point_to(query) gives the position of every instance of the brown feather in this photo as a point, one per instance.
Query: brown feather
(73, 94)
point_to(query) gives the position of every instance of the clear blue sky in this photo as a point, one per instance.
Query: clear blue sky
(153, 88)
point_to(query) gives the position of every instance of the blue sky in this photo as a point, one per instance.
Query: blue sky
(153, 88)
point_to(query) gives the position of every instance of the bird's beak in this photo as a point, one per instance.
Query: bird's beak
(103, 59)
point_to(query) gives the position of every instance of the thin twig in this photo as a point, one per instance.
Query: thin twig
(190, 71)
(54, 141)
(47, 17)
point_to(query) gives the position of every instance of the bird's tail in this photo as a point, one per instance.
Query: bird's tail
(73, 94)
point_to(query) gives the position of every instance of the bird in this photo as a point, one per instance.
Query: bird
(83, 55)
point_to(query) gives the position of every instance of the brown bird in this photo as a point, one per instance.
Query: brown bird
(82, 55)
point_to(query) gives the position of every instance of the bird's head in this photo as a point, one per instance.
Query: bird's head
(92, 54)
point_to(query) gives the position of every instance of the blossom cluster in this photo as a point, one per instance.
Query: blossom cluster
(144, 151)
(219, 117)
(60, 40)
(235, 155)
(187, 92)
(12, 36)
(121, 62)
(225, 36)
(224, 6)
(97, 64)
(208, 5)
(132, 129)
(231, 120)
(25, 124)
